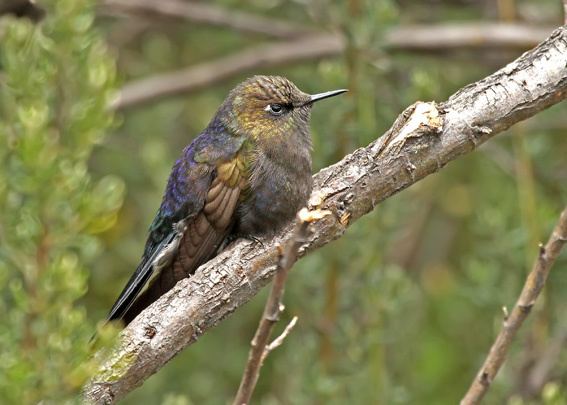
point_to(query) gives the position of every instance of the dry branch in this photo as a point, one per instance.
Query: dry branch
(316, 46)
(423, 139)
(532, 288)
(260, 347)
(203, 75)
(418, 37)
(446, 37)
(209, 14)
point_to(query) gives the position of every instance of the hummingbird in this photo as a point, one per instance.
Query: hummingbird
(246, 175)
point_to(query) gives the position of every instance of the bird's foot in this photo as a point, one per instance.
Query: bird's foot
(231, 239)
(255, 240)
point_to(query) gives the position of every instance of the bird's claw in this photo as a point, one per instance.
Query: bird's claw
(255, 240)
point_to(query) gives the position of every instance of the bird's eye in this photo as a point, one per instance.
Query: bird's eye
(275, 109)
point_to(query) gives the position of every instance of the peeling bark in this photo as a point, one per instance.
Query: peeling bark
(423, 139)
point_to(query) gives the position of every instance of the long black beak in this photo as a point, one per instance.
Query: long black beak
(327, 94)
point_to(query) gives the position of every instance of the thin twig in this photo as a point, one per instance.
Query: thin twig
(277, 342)
(532, 288)
(259, 345)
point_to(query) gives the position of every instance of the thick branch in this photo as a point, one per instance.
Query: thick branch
(424, 138)
(532, 288)
(312, 47)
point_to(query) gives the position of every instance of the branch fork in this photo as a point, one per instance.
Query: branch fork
(260, 348)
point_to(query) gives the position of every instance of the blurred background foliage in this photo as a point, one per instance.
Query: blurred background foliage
(401, 310)
(56, 83)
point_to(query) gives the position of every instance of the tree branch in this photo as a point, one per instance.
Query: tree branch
(277, 342)
(209, 14)
(316, 46)
(274, 307)
(532, 288)
(197, 77)
(418, 37)
(447, 37)
(423, 139)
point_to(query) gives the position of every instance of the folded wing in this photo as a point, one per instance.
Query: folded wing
(184, 245)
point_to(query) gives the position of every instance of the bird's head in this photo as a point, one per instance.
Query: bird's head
(264, 107)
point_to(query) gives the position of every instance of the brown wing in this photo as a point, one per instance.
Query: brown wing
(203, 234)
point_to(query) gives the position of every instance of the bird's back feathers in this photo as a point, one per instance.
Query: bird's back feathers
(194, 218)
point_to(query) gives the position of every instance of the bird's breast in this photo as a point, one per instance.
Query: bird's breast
(279, 187)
